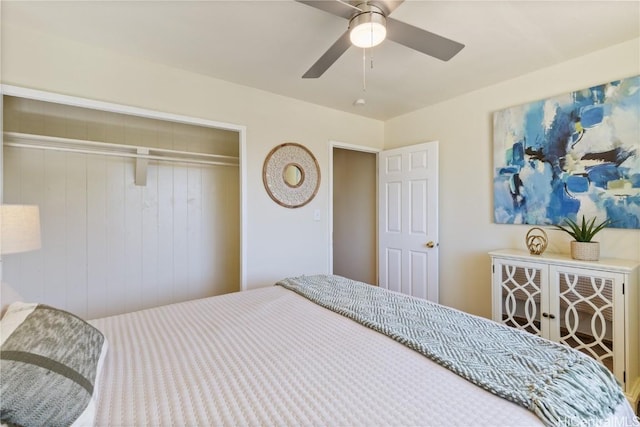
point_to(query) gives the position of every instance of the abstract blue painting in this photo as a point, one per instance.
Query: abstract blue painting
(570, 155)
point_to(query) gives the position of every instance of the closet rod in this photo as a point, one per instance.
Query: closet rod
(114, 154)
(116, 150)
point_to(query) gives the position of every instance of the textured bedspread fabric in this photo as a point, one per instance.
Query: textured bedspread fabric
(559, 384)
(270, 357)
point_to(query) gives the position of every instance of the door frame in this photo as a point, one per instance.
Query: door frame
(57, 98)
(353, 147)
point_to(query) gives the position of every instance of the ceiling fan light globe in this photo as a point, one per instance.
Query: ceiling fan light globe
(368, 34)
(369, 28)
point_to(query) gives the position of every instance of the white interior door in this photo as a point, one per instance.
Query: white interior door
(408, 220)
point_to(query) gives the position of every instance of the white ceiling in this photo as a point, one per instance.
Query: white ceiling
(269, 44)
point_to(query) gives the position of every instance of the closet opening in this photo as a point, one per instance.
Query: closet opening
(137, 210)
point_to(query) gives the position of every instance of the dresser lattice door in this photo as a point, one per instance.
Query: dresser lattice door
(588, 313)
(522, 286)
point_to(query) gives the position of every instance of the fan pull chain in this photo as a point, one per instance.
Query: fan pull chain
(364, 70)
(364, 67)
(371, 57)
(364, 56)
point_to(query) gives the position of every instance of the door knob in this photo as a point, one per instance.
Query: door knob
(430, 244)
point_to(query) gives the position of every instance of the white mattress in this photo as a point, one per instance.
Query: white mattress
(270, 357)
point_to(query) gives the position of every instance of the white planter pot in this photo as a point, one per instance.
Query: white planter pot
(585, 251)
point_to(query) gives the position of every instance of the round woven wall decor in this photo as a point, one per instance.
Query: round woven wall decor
(291, 175)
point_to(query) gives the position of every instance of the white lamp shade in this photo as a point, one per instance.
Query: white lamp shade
(19, 228)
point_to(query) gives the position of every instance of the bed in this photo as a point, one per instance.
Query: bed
(272, 356)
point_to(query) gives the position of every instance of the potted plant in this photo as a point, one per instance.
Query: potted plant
(583, 248)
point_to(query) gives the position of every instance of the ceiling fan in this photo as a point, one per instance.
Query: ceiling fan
(369, 25)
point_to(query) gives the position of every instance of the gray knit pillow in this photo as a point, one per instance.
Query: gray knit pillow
(50, 361)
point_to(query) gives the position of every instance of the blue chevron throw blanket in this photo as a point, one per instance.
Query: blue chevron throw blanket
(560, 385)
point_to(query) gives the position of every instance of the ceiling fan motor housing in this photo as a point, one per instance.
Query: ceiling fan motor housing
(368, 27)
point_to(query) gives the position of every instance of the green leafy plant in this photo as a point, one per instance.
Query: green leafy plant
(585, 231)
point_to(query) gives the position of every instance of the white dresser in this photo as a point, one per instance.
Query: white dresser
(592, 306)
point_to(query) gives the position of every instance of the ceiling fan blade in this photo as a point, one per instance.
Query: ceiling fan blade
(330, 56)
(422, 40)
(333, 7)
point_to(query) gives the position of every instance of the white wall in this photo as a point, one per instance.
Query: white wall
(464, 128)
(280, 242)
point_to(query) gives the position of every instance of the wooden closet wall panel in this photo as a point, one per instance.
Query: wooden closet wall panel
(54, 228)
(98, 235)
(110, 246)
(169, 290)
(180, 282)
(150, 238)
(133, 241)
(76, 224)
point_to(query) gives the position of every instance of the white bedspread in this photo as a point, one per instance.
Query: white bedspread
(270, 357)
